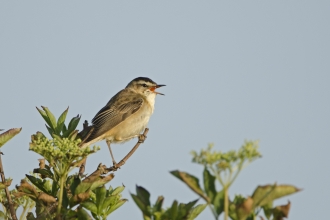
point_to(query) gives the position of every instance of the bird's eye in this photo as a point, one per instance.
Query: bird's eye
(144, 85)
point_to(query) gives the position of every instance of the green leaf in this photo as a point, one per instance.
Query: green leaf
(196, 211)
(64, 129)
(55, 188)
(45, 172)
(116, 206)
(2, 215)
(141, 205)
(100, 196)
(72, 125)
(74, 183)
(209, 184)
(90, 206)
(118, 190)
(38, 183)
(60, 121)
(268, 209)
(268, 193)
(244, 208)
(65, 201)
(73, 135)
(44, 115)
(102, 180)
(191, 181)
(191, 204)
(173, 211)
(143, 194)
(184, 209)
(82, 187)
(50, 131)
(83, 214)
(110, 201)
(5, 184)
(51, 118)
(219, 202)
(280, 212)
(6, 136)
(159, 203)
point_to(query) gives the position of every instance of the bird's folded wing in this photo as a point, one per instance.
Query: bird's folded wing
(111, 115)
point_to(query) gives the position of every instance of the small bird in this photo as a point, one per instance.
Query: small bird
(125, 116)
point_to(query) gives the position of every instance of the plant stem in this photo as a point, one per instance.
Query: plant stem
(240, 166)
(226, 202)
(217, 176)
(23, 215)
(11, 206)
(60, 198)
(213, 211)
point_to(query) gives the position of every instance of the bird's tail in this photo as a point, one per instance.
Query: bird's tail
(85, 133)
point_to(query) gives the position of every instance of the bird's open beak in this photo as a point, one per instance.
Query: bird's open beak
(155, 87)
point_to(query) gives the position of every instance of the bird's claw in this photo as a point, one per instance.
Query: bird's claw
(115, 166)
(142, 138)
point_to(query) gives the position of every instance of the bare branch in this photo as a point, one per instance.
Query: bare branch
(123, 161)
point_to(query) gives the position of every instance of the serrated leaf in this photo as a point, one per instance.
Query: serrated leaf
(51, 118)
(191, 181)
(209, 185)
(196, 211)
(6, 136)
(268, 193)
(60, 121)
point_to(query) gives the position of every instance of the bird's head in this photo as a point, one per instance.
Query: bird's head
(144, 86)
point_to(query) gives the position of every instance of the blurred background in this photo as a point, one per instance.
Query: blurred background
(235, 71)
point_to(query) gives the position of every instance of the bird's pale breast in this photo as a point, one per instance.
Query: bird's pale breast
(131, 127)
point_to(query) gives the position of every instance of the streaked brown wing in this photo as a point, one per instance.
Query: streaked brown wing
(116, 111)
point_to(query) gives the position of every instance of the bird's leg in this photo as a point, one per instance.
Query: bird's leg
(113, 159)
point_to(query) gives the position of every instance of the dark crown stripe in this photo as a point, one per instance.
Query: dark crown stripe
(146, 79)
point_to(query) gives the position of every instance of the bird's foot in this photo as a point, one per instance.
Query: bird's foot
(115, 166)
(142, 138)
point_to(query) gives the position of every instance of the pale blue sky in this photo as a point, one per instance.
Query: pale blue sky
(238, 70)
